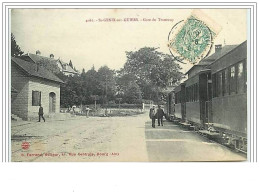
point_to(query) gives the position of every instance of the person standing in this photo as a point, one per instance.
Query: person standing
(160, 115)
(87, 109)
(41, 113)
(152, 116)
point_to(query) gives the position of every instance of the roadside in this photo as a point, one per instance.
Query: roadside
(82, 139)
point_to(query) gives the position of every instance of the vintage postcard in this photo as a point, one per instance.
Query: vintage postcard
(134, 85)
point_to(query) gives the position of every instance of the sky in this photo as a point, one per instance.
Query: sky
(66, 34)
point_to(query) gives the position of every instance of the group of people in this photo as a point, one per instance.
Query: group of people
(156, 114)
(153, 114)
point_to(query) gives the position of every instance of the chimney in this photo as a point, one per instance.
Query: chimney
(51, 56)
(38, 52)
(218, 48)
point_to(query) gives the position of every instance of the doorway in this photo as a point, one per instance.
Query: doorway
(52, 102)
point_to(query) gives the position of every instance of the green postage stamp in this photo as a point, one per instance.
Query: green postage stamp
(191, 40)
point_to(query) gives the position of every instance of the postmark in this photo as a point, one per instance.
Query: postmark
(191, 40)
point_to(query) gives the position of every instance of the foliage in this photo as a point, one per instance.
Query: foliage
(15, 49)
(145, 75)
(133, 94)
(106, 84)
(152, 72)
(70, 64)
(80, 89)
(49, 65)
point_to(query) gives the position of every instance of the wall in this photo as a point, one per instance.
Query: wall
(19, 102)
(45, 86)
(178, 111)
(230, 112)
(193, 112)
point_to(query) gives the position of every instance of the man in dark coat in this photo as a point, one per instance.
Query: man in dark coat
(152, 116)
(160, 114)
(41, 113)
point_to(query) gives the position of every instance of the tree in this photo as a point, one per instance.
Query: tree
(50, 65)
(152, 71)
(133, 94)
(123, 80)
(15, 49)
(106, 84)
(70, 64)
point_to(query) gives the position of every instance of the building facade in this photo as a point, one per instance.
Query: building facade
(34, 86)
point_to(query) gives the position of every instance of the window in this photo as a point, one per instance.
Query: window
(195, 92)
(214, 83)
(36, 98)
(241, 78)
(192, 98)
(226, 83)
(232, 79)
(192, 93)
(223, 83)
(245, 77)
(219, 84)
(198, 92)
(177, 100)
(187, 94)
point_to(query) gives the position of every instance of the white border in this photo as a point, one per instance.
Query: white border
(131, 178)
(252, 151)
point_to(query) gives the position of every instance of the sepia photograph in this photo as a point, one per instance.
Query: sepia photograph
(129, 85)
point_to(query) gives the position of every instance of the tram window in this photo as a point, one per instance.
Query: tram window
(245, 77)
(223, 83)
(214, 83)
(195, 92)
(198, 92)
(232, 80)
(187, 94)
(226, 90)
(190, 93)
(219, 82)
(240, 78)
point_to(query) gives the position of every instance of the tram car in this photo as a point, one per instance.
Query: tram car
(214, 95)
(180, 102)
(229, 101)
(170, 106)
(198, 96)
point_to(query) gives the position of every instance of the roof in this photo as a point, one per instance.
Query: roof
(36, 58)
(215, 56)
(31, 69)
(68, 68)
(226, 49)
